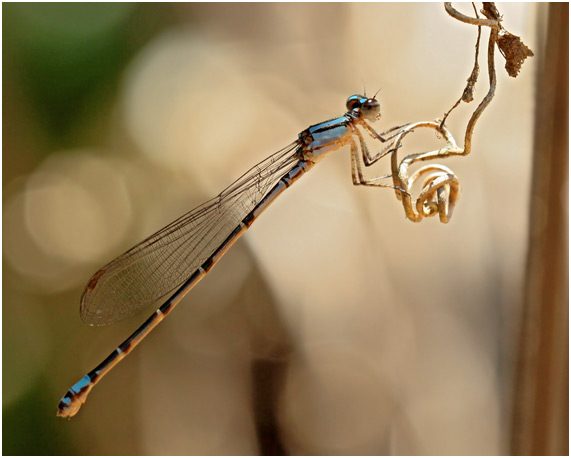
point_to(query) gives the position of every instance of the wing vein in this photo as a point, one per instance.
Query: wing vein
(165, 260)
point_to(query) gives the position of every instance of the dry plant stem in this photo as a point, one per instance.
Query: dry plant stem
(467, 19)
(437, 176)
(540, 417)
(495, 28)
(441, 188)
(468, 93)
(489, 95)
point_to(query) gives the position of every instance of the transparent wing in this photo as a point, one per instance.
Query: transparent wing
(165, 260)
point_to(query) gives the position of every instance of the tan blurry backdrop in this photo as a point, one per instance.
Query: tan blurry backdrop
(334, 326)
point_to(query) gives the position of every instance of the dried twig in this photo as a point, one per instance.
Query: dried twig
(441, 188)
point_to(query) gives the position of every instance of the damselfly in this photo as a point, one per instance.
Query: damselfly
(178, 256)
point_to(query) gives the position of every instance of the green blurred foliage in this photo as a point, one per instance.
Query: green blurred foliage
(25, 432)
(67, 58)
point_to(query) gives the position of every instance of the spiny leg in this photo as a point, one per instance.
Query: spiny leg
(373, 133)
(357, 169)
(392, 129)
(368, 158)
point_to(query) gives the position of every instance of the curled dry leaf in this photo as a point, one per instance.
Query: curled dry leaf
(514, 51)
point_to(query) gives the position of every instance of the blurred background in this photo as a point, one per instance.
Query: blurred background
(335, 325)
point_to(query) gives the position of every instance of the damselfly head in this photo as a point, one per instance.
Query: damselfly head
(368, 107)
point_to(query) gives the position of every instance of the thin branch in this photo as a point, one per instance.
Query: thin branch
(441, 187)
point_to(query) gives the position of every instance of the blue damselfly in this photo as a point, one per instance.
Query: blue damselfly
(178, 256)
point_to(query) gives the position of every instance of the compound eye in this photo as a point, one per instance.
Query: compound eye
(354, 102)
(371, 109)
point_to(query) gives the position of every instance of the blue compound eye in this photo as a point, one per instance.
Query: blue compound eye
(354, 102)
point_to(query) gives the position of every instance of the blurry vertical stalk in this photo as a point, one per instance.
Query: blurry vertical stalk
(541, 403)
